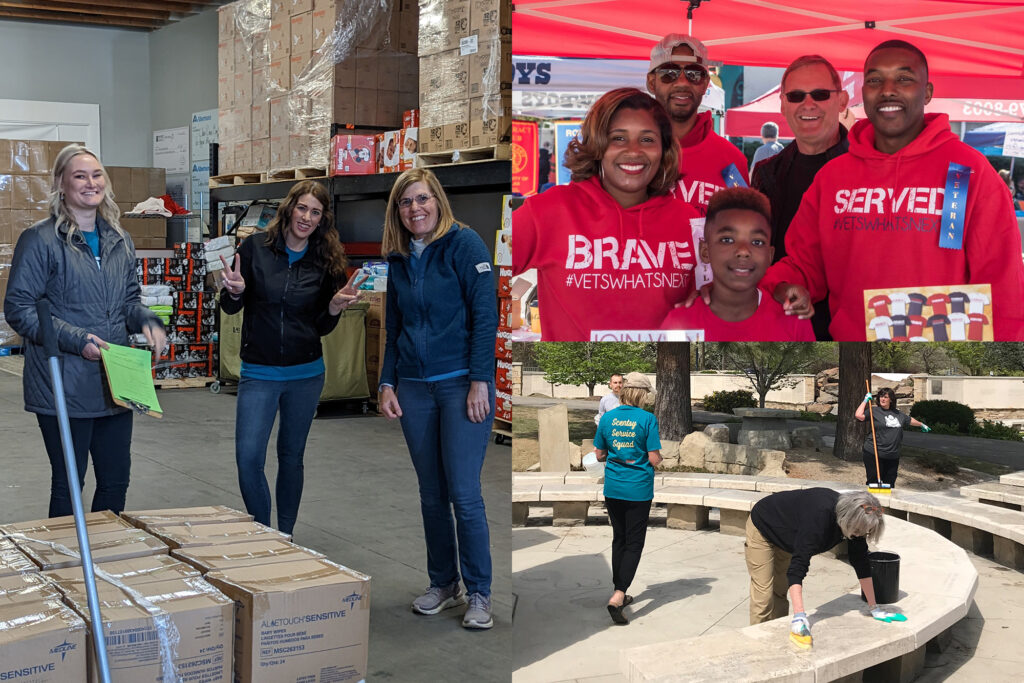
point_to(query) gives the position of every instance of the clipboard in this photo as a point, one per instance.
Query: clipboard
(130, 378)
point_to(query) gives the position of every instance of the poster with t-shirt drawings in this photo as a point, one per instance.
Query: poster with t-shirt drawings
(952, 313)
(702, 273)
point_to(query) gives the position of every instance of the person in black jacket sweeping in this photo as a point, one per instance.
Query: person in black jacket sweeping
(438, 377)
(83, 263)
(786, 529)
(289, 284)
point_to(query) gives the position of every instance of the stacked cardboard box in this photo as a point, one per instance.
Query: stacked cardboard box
(187, 535)
(48, 646)
(307, 620)
(297, 617)
(191, 352)
(140, 637)
(135, 570)
(13, 561)
(137, 184)
(24, 189)
(284, 80)
(465, 74)
(208, 514)
(53, 543)
(209, 558)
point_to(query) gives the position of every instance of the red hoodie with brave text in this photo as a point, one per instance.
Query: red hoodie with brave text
(600, 266)
(871, 220)
(703, 155)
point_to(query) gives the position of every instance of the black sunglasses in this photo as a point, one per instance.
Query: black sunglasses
(818, 95)
(669, 73)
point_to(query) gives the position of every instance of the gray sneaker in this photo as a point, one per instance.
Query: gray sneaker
(438, 598)
(478, 614)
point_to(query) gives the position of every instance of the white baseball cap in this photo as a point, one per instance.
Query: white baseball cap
(662, 52)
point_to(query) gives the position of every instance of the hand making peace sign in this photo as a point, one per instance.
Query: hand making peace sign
(233, 280)
(347, 295)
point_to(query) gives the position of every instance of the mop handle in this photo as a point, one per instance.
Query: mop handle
(874, 443)
(49, 338)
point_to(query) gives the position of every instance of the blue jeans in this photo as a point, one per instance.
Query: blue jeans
(448, 453)
(258, 404)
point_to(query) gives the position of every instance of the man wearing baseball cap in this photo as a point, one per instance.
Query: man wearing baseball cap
(678, 78)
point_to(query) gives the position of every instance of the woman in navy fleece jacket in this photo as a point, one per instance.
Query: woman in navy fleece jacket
(438, 377)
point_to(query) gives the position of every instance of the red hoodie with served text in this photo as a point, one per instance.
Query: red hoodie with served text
(600, 266)
(871, 220)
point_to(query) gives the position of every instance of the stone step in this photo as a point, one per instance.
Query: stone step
(1004, 495)
(1013, 479)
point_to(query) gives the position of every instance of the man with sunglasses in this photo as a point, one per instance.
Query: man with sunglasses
(909, 205)
(678, 79)
(812, 99)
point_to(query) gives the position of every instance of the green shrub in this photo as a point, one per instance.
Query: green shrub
(939, 428)
(946, 412)
(989, 429)
(725, 401)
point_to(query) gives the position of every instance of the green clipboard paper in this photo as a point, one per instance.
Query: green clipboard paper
(130, 375)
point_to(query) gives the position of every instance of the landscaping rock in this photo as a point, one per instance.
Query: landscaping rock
(717, 432)
(691, 450)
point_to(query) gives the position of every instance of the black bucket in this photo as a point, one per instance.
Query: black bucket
(885, 577)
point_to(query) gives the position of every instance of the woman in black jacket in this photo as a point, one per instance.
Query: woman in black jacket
(83, 263)
(289, 284)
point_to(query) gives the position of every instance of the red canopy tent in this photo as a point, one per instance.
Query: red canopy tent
(973, 46)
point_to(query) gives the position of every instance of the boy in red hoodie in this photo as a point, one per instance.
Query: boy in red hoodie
(737, 244)
(678, 78)
(908, 206)
(612, 249)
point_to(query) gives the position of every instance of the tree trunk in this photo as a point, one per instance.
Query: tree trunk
(760, 397)
(590, 386)
(854, 369)
(672, 400)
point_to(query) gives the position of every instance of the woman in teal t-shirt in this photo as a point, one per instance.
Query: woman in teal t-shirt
(628, 438)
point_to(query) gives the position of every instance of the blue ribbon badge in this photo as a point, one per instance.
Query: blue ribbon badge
(732, 176)
(954, 205)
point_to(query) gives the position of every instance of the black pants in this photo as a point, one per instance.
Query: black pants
(887, 465)
(629, 531)
(109, 440)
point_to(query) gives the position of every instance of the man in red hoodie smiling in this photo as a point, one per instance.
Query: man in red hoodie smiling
(678, 79)
(910, 205)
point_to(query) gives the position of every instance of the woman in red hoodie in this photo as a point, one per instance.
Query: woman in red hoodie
(613, 249)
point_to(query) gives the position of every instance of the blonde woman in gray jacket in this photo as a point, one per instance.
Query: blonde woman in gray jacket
(83, 263)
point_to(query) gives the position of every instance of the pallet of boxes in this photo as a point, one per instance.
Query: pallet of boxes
(133, 185)
(465, 80)
(178, 290)
(286, 77)
(24, 192)
(190, 594)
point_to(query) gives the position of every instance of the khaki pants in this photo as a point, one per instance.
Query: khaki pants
(767, 565)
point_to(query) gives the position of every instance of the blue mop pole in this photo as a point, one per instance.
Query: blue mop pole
(50, 348)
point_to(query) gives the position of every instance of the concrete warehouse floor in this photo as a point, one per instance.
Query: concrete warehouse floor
(360, 507)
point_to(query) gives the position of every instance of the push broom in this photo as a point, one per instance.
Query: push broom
(878, 487)
(49, 339)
